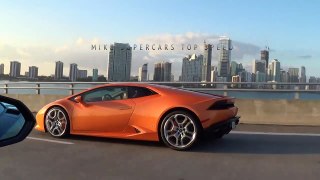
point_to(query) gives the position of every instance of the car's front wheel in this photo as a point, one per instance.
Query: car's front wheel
(180, 130)
(57, 122)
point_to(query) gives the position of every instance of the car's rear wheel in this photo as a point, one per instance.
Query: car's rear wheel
(180, 130)
(57, 122)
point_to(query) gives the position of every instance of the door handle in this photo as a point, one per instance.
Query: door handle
(125, 107)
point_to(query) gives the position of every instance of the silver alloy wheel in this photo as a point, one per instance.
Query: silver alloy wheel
(56, 122)
(179, 130)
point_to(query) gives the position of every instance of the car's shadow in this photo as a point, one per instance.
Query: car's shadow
(114, 140)
(232, 143)
(236, 143)
(260, 144)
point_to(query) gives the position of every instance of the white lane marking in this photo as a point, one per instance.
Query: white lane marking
(274, 133)
(49, 140)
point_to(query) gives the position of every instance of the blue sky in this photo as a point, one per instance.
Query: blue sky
(290, 28)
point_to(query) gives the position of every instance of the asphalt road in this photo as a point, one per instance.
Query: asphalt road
(251, 152)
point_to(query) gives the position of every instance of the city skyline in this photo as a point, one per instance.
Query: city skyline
(287, 28)
(193, 68)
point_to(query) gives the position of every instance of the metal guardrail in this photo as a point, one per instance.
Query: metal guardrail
(225, 87)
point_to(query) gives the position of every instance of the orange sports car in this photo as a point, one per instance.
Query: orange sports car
(137, 111)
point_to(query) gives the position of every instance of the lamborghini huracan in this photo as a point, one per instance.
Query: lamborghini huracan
(177, 117)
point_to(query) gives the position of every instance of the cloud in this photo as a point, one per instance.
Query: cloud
(305, 57)
(79, 51)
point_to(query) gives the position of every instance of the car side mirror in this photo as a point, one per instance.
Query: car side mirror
(16, 121)
(78, 99)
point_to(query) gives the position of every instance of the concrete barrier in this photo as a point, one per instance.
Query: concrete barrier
(252, 111)
(34, 101)
(279, 112)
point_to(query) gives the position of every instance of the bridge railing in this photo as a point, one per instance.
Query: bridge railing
(222, 87)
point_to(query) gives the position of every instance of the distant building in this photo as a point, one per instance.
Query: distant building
(73, 72)
(293, 75)
(82, 74)
(1, 69)
(303, 76)
(58, 73)
(26, 74)
(224, 49)
(162, 72)
(120, 57)
(206, 65)
(235, 79)
(265, 56)
(313, 79)
(260, 76)
(143, 73)
(275, 70)
(214, 74)
(192, 67)
(259, 65)
(15, 68)
(33, 72)
(95, 75)
(172, 78)
(234, 68)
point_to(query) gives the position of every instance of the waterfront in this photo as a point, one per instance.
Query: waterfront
(63, 88)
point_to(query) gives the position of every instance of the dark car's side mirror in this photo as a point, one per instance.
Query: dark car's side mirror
(16, 121)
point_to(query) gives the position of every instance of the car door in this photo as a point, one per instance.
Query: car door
(106, 109)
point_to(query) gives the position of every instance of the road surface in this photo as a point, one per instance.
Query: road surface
(250, 152)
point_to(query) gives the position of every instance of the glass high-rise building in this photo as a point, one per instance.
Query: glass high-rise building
(15, 68)
(143, 73)
(33, 72)
(120, 57)
(259, 65)
(1, 69)
(206, 65)
(162, 72)
(58, 73)
(224, 49)
(95, 75)
(192, 67)
(73, 72)
(293, 75)
(265, 56)
(303, 76)
(275, 71)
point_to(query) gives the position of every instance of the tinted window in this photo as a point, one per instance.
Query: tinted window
(106, 94)
(136, 92)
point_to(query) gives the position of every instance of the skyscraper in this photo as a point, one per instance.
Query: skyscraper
(58, 73)
(1, 69)
(224, 49)
(73, 72)
(33, 72)
(120, 57)
(162, 72)
(95, 75)
(293, 75)
(259, 65)
(214, 73)
(15, 68)
(206, 65)
(234, 68)
(82, 74)
(303, 77)
(143, 73)
(265, 56)
(192, 67)
(275, 70)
